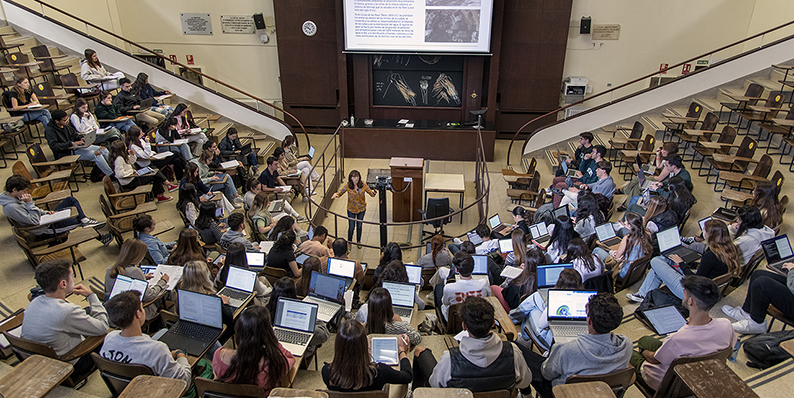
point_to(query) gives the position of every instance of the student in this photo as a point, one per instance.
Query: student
(209, 227)
(588, 215)
(352, 368)
(634, 245)
(748, 232)
(319, 245)
(21, 97)
(144, 226)
(187, 249)
(144, 90)
(304, 185)
(584, 261)
(439, 256)
(658, 217)
(603, 185)
(196, 278)
(207, 176)
(127, 102)
(488, 245)
(235, 256)
(653, 358)
(253, 187)
(192, 177)
(285, 287)
(184, 124)
(392, 272)
(483, 362)
(261, 219)
(511, 292)
(272, 183)
(356, 202)
(106, 110)
(83, 121)
(632, 188)
(232, 148)
(130, 346)
(283, 225)
(561, 236)
(584, 148)
(235, 233)
(62, 138)
(124, 160)
(302, 162)
(128, 263)
(765, 288)
(188, 202)
(587, 174)
(167, 133)
(136, 140)
(680, 199)
(456, 292)
(312, 264)
(765, 198)
(598, 352)
(91, 70)
(381, 318)
(282, 255)
(51, 320)
(675, 167)
(341, 250)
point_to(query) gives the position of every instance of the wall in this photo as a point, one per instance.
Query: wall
(102, 13)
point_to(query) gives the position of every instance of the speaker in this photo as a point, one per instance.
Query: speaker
(259, 21)
(585, 26)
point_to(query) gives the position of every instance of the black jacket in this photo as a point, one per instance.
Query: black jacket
(60, 138)
(227, 147)
(124, 101)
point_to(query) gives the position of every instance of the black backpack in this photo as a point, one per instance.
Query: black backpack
(659, 298)
(763, 351)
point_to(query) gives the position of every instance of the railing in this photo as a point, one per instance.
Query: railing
(658, 73)
(167, 60)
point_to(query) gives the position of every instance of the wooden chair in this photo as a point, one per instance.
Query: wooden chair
(776, 314)
(535, 342)
(749, 268)
(723, 282)
(40, 187)
(24, 68)
(382, 393)
(453, 324)
(634, 139)
(42, 53)
(206, 388)
(46, 168)
(120, 201)
(72, 86)
(627, 158)
(496, 393)
(121, 222)
(273, 274)
(517, 195)
(738, 198)
(619, 380)
(46, 95)
(117, 375)
(738, 162)
(530, 165)
(667, 384)
(755, 113)
(722, 146)
(678, 123)
(10, 322)
(775, 127)
(751, 97)
(516, 180)
(38, 252)
(427, 392)
(4, 47)
(635, 273)
(741, 181)
(282, 392)
(24, 348)
(709, 123)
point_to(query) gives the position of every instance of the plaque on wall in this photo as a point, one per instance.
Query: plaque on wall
(417, 80)
(196, 23)
(238, 24)
(606, 32)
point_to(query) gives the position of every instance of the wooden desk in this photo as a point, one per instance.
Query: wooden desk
(715, 145)
(426, 392)
(504, 320)
(153, 386)
(36, 376)
(453, 183)
(731, 159)
(593, 389)
(292, 392)
(406, 205)
(712, 378)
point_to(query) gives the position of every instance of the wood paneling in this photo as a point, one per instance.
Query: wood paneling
(430, 144)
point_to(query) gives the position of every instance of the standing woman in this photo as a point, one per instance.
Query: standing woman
(92, 70)
(184, 124)
(123, 160)
(128, 263)
(21, 97)
(381, 318)
(439, 256)
(356, 203)
(83, 121)
(144, 90)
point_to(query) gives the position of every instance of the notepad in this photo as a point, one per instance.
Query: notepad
(162, 155)
(384, 350)
(55, 217)
(162, 97)
(174, 275)
(34, 106)
(230, 164)
(265, 246)
(180, 141)
(195, 130)
(511, 272)
(296, 174)
(284, 188)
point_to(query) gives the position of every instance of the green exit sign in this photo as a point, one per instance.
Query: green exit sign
(157, 50)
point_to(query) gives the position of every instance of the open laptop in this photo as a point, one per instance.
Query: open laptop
(147, 103)
(568, 172)
(414, 273)
(561, 211)
(90, 138)
(648, 168)
(124, 283)
(294, 324)
(480, 268)
(540, 233)
(778, 252)
(664, 320)
(256, 261)
(302, 258)
(345, 269)
(644, 182)
(497, 226)
(199, 326)
(239, 287)
(549, 273)
(568, 313)
(670, 243)
(328, 292)
(310, 155)
(506, 245)
(402, 298)
(606, 234)
(474, 238)
(276, 206)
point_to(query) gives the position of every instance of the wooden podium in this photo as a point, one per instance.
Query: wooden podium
(406, 205)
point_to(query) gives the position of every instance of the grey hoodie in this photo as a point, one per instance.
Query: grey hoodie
(750, 241)
(589, 354)
(25, 213)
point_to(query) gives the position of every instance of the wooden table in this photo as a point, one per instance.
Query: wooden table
(426, 392)
(712, 378)
(292, 392)
(504, 320)
(593, 389)
(36, 376)
(453, 183)
(732, 159)
(153, 386)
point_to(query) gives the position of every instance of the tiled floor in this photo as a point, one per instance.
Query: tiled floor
(16, 277)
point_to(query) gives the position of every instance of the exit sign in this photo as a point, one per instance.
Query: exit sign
(157, 51)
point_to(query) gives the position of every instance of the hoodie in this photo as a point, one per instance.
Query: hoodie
(750, 241)
(589, 354)
(25, 213)
(482, 352)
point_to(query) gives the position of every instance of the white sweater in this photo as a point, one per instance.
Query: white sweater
(142, 350)
(85, 123)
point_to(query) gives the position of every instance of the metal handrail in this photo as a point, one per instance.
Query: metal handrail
(659, 72)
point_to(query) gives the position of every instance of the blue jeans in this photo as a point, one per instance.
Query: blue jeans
(352, 225)
(123, 126)
(41, 115)
(227, 187)
(453, 248)
(662, 271)
(252, 159)
(100, 160)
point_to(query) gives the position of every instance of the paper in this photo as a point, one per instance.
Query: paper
(100, 131)
(297, 174)
(55, 217)
(162, 155)
(34, 106)
(402, 121)
(409, 125)
(284, 188)
(195, 130)
(511, 272)
(16, 332)
(174, 275)
(265, 246)
(162, 97)
(461, 335)
(180, 141)
(230, 164)
(143, 171)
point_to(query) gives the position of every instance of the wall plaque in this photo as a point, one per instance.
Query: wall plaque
(196, 24)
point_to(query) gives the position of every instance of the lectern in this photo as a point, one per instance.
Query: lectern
(407, 172)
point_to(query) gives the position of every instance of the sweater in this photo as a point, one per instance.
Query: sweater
(122, 166)
(480, 352)
(456, 292)
(107, 112)
(230, 237)
(750, 241)
(219, 367)
(443, 259)
(142, 350)
(125, 101)
(60, 139)
(384, 374)
(589, 354)
(25, 213)
(85, 123)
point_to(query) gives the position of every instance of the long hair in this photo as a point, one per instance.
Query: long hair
(720, 243)
(380, 311)
(190, 173)
(765, 198)
(77, 105)
(578, 250)
(527, 282)
(187, 248)
(680, 199)
(133, 136)
(206, 215)
(637, 235)
(261, 202)
(284, 242)
(389, 253)
(288, 141)
(519, 246)
(284, 287)
(132, 252)
(117, 150)
(19, 90)
(352, 368)
(235, 255)
(657, 204)
(350, 180)
(587, 205)
(312, 264)
(89, 55)
(165, 129)
(283, 225)
(196, 278)
(138, 84)
(563, 233)
(436, 246)
(257, 348)
(750, 218)
(179, 109)
(187, 194)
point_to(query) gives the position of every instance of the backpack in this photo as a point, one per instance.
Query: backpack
(659, 298)
(544, 213)
(763, 351)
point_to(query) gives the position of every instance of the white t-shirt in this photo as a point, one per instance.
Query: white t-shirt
(456, 292)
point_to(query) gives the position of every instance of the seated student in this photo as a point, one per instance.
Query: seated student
(520, 219)
(188, 203)
(285, 287)
(341, 249)
(272, 183)
(512, 291)
(532, 313)
(235, 256)
(584, 261)
(657, 218)
(680, 199)
(187, 249)
(239, 179)
(633, 246)
(130, 104)
(18, 206)
(184, 124)
(299, 162)
(447, 274)
(137, 141)
(519, 240)
(319, 245)
(675, 167)
(235, 233)
(488, 245)
(765, 198)
(456, 292)
(20, 97)
(130, 346)
(483, 362)
(209, 227)
(282, 255)
(303, 185)
(389, 253)
(392, 272)
(232, 148)
(311, 264)
(261, 219)
(598, 352)
(585, 148)
(748, 232)
(381, 318)
(196, 278)
(83, 121)
(124, 161)
(439, 256)
(603, 185)
(765, 288)
(62, 138)
(91, 70)
(51, 320)
(561, 236)
(128, 263)
(144, 226)
(632, 188)
(588, 215)
(192, 177)
(283, 225)
(167, 133)
(653, 358)
(106, 110)
(254, 187)
(259, 358)
(352, 369)
(144, 90)
(587, 174)
(207, 176)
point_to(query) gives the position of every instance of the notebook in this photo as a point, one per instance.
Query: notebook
(540, 233)
(144, 170)
(670, 243)
(55, 217)
(402, 298)
(664, 320)
(497, 226)
(474, 238)
(342, 268)
(778, 252)
(328, 292)
(229, 164)
(414, 273)
(125, 283)
(294, 324)
(174, 273)
(199, 325)
(606, 234)
(568, 313)
(256, 261)
(239, 287)
(480, 268)
(549, 273)
(384, 350)
(506, 245)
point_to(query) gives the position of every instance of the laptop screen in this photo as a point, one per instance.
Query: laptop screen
(327, 286)
(506, 245)
(560, 211)
(310, 233)
(702, 223)
(200, 308)
(548, 274)
(302, 258)
(564, 165)
(343, 268)
(311, 151)
(384, 350)
(219, 212)
(255, 259)
(125, 283)
(538, 230)
(775, 249)
(297, 315)
(402, 294)
(480, 265)
(568, 304)
(668, 239)
(494, 221)
(605, 231)
(241, 279)
(414, 273)
(665, 319)
(474, 238)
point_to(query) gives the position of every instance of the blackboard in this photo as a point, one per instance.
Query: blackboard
(417, 80)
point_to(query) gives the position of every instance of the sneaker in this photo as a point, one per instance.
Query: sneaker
(548, 191)
(172, 187)
(91, 223)
(255, 170)
(163, 198)
(238, 205)
(358, 246)
(634, 298)
(457, 241)
(238, 199)
(735, 312)
(618, 191)
(301, 219)
(749, 326)
(688, 239)
(105, 239)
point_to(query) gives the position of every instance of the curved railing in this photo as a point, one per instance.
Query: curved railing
(637, 80)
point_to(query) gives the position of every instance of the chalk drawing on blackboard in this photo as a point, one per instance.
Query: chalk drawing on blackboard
(429, 60)
(423, 85)
(402, 86)
(444, 89)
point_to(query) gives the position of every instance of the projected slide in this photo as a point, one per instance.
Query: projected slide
(418, 25)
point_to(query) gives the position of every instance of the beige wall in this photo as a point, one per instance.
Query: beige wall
(102, 13)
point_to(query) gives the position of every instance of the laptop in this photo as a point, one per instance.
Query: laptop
(549, 273)
(540, 233)
(670, 243)
(561, 211)
(125, 283)
(239, 287)
(702, 223)
(480, 268)
(302, 258)
(384, 350)
(328, 292)
(144, 170)
(606, 234)
(566, 171)
(311, 152)
(497, 226)
(414, 274)
(778, 252)
(199, 325)
(256, 261)
(664, 320)
(90, 138)
(644, 182)
(276, 206)
(402, 298)
(345, 269)
(647, 168)
(568, 313)
(219, 212)
(147, 103)
(506, 245)
(474, 238)
(294, 324)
